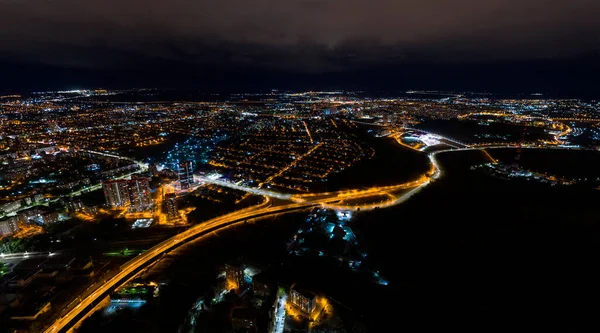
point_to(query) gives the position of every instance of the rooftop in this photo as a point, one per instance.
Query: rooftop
(303, 291)
(243, 313)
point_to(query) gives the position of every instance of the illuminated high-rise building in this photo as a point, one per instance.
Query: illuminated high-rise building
(116, 193)
(234, 274)
(305, 300)
(139, 193)
(185, 172)
(171, 204)
(134, 193)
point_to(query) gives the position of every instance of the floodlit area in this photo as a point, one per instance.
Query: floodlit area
(117, 305)
(344, 215)
(429, 139)
(141, 223)
(249, 272)
(279, 321)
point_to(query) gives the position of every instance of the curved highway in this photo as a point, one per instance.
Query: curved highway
(328, 199)
(135, 265)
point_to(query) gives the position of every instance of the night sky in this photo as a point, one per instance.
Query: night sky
(484, 45)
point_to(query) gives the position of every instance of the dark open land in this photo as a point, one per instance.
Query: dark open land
(469, 252)
(469, 131)
(559, 162)
(153, 153)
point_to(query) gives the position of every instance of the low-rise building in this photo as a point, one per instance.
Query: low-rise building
(10, 206)
(49, 218)
(91, 210)
(31, 310)
(24, 278)
(38, 198)
(81, 264)
(263, 284)
(79, 267)
(38, 215)
(75, 206)
(58, 264)
(26, 272)
(25, 216)
(9, 226)
(243, 320)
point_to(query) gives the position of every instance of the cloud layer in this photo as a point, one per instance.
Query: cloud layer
(312, 35)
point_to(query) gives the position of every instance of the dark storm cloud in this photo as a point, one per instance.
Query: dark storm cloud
(301, 34)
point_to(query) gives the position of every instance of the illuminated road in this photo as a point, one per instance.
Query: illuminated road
(130, 268)
(143, 166)
(300, 202)
(279, 321)
(16, 257)
(291, 165)
(135, 265)
(308, 132)
(253, 190)
(286, 168)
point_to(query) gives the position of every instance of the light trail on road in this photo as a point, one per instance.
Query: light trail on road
(150, 255)
(307, 131)
(300, 202)
(489, 156)
(142, 165)
(253, 190)
(20, 256)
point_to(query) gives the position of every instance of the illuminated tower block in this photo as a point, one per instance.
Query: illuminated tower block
(116, 193)
(171, 204)
(139, 194)
(234, 273)
(185, 173)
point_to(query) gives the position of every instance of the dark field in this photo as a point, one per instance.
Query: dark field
(559, 162)
(468, 253)
(472, 252)
(468, 131)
